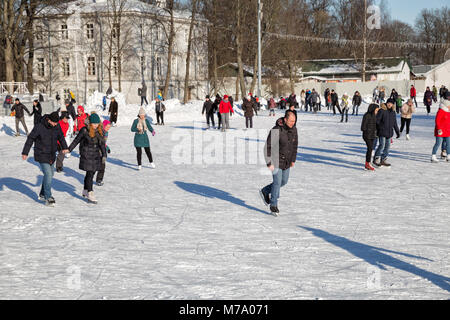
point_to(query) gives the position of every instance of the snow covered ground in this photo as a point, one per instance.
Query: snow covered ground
(200, 231)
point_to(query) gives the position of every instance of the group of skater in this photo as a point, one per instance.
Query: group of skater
(51, 137)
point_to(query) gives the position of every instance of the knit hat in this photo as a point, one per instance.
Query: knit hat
(64, 114)
(142, 111)
(94, 118)
(53, 117)
(225, 97)
(207, 97)
(105, 123)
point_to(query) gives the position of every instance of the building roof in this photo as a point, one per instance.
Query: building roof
(130, 6)
(422, 69)
(333, 67)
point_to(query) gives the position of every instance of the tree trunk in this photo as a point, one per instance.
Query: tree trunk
(188, 58)
(170, 50)
(239, 50)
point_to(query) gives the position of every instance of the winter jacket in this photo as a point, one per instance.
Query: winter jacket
(71, 110)
(144, 90)
(37, 112)
(141, 139)
(399, 102)
(113, 108)
(334, 98)
(357, 100)
(292, 100)
(64, 128)
(225, 107)
(217, 103)
(81, 120)
(283, 103)
(413, 92)
(248, 107)
(394, 95)
(345, 105)
(208, 107)
(369, 124)
(282, 152)
(442, 128)
(159, 106)
(407, 111)
(387, 123)
(382, 95)
(272, 104)
(92, 150)
(45, 138)
(313, 97)
(19, 109)
(428, 98)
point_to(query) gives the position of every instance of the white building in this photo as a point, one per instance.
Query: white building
(82, 46)
(437, 75)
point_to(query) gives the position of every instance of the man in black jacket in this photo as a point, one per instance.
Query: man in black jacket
(19, 108)
(280, 154)
(335, 102)
(386, 124)
(45, 137)
(209, 109)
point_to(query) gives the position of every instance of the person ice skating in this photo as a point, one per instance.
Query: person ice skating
(280, 153)
(314, 100)
(308, 100)
(345, 107)
(357, 100)
(64, 124)
(159, 110)
(208, 109)
(143, 93)
(7, 104)
(37, 112)
(20, 109)
(101, 173)
(399, 104)
(407, 111)
(413, 94)
(443, 92)
(442, 130)
(386, 124)
(376, 95)
(225, 110)
(249, 108)
(81, 120)
(428, 100)
(68, 107)
(216, 105)
(292, 100)
(382, 95)
(302, 99)
(435, 93)
(272, 107)
(45, 137)
(140, 127)
(369, 129)
(394, 95)
(335, 102)
(92, 153)
(113, 111)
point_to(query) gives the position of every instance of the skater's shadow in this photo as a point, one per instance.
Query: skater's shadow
(380, 257)
(190, 128)
(213, 193)
(7, 130)
(20, 186)
(121, 163)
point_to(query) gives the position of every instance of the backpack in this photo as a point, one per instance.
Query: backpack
(8, 100)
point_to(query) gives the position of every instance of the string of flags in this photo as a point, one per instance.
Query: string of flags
(354, 43)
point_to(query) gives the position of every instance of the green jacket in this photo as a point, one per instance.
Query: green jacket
(141, 139)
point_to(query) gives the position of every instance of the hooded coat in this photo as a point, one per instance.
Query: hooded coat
(282, 151)
(369, 123)
(45, 138)
(141, 139)
(92, 150)
(442, 128)
(248, 107)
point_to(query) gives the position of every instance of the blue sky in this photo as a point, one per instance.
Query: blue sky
(408, 10)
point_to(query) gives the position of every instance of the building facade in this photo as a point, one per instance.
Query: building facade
(92, 45)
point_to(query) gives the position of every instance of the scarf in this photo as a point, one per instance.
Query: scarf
(142, 125)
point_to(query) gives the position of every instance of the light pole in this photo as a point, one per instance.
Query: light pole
(259, 47)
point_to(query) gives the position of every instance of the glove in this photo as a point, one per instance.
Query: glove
(153, 133)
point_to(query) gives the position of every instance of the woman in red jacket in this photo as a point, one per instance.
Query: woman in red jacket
(442, 130)
(64, 124)
(225, 109)
(81, 119)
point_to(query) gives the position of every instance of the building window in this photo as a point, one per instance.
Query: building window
(143, 63)
(41, 67)
(91, 66)
(64, 32)
(115, 65)
(115, 30)
(67, 94)
(38, 33)
(159, 67)
(66, 66)
(90, 31)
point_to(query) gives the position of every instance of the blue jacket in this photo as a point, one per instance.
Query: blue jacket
(387, 123)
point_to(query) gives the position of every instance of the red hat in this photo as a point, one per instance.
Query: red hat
(225, 97)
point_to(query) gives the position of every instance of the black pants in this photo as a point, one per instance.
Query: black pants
(415, 101)
(101, 173)
(160, 117)
(114, 118)
(344, 113)
(210, 116)
(219, 119)
(370, 144)
(406, 122)
(428, 109)
(144, 99)
(249, 120)
(139, 155)
(334, 108)
(89, 180)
